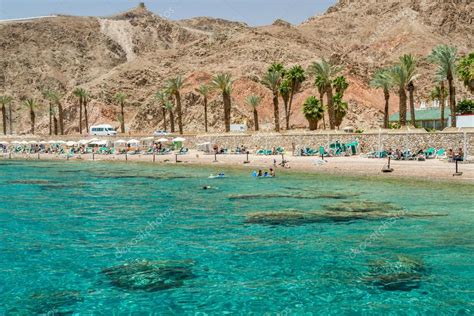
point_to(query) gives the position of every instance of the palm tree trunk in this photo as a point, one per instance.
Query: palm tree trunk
(55, 120)
(122, 114)
(331, 110)
(292, 94)
(172, 121)
(287, 113)
(86, 116)
(255, 119)
(276, 112)
(4, 119)
(227, 109)
(452, 100)
(164, 118)
(80, 115)
(313, 125)
(205, 114)
(321, 99)
(385, 114)
(61, 118)
(443, 101)
(403, 106)
(50, 118)
(411, 89)
(32, 118)
(180, 113)
(10, 118)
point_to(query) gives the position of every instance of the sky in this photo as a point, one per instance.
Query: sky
(253, 12)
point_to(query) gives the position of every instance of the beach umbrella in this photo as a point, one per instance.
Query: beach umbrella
(23, 143)
(84, 142)
(179, 139)
(71, 144)
(133, 141)
(43, 142)
(32, 142)
(120, 141)
(163, 140)
(147, 139)
(99, 143)
(4, 142)
(15, 142)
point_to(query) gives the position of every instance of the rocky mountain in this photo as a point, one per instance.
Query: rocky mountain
(136, 51)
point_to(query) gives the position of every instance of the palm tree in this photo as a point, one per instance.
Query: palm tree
(340, 108)
(4, 101)
(313, 111)
(169, 106)
(382, 80)
(340, 85)
(121, 97)
(81, 94)
(295, 76)
(408, 62)
(54, 98)
(325, 73)
(402, 74)
(466, 71)
(278, 68)
(285, 92)
(272, 81)
(31, 105)
(254, 101)
(439, 93)
(85, 101)
(204, 91)
(174, 87)
(46, 94)
(223, 82)
(321, 88)
(162, 96)
(445, 57)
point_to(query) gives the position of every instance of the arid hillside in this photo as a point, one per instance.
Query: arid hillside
(136, 51)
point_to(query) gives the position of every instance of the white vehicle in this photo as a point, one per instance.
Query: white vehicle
(103, 130)
(160, 133)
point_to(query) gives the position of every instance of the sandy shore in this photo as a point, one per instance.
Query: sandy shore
(432, 169)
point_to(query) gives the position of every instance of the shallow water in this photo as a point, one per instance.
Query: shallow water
(61, 226)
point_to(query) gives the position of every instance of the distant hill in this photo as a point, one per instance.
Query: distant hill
(135, 51)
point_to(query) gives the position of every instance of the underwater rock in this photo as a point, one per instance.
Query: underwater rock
(51, 302)
(290, 218)
(362, 207)
(296, 218)
(30, 182)
(401, 274)
(313, 196)
(149, 276)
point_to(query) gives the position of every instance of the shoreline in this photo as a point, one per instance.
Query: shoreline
(432, 170)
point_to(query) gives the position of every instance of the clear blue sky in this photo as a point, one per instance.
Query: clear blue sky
(253, 12)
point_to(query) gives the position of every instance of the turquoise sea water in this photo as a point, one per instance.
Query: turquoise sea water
(63, 223)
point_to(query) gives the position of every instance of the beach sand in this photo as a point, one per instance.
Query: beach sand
(432, 169)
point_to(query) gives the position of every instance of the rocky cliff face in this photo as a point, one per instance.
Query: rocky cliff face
(136, 51)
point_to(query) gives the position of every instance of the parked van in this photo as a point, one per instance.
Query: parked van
(103, 130)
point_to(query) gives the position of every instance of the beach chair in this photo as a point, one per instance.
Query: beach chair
(183, 151)
(280, 150)
(430, 153)
(441, 153)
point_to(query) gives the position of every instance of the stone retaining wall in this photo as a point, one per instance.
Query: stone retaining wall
(368, 142)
